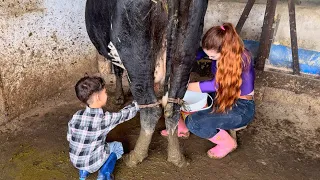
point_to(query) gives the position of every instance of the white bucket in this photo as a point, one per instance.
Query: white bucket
(195, 101)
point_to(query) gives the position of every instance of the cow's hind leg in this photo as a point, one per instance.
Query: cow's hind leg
(183, 39)
(148, 119)
(134, 42)
(119, 89)
(174, 153)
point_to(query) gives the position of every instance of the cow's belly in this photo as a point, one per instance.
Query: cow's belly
(160, 74)
(160, 68)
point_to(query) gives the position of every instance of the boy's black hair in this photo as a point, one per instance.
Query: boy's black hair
(88, 85)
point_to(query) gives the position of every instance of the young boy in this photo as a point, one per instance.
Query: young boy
(88, 129)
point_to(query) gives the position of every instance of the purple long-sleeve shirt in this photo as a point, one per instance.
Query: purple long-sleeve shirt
(247, 75)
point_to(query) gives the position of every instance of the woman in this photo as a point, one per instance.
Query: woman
(232, 89)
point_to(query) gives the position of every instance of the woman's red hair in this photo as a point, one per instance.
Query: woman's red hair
(225, 40)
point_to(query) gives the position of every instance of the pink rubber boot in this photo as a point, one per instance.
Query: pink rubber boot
(225, 145)
(183, 131)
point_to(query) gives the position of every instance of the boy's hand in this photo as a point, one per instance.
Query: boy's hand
(136, 104)
(133, 103)
(128, 103)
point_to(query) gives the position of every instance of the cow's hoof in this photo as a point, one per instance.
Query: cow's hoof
(179, 161)
(133, 159)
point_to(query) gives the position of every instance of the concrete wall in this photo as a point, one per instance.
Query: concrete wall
(44, 49)
(308, 25)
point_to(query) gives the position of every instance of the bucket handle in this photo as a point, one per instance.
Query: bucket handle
(205, 107)
(208, 106)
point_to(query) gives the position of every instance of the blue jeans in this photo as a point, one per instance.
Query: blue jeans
(206, 124)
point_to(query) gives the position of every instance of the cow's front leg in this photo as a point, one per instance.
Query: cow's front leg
(119, 89)
(172, 115)
(148, 119)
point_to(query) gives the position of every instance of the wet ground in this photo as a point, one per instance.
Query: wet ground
(283, 142)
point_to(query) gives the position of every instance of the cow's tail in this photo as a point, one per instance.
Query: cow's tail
(172, 31)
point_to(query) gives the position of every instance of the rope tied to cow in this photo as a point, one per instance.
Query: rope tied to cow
(170, 100)
(142, 106)
(176, 101)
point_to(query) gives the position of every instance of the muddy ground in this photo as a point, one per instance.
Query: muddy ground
(283, 142)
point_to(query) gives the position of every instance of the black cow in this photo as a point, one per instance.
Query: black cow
(146, 34)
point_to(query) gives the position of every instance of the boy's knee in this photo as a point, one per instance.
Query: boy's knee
(117, 148)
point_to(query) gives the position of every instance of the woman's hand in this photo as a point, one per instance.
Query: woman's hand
(194, 86)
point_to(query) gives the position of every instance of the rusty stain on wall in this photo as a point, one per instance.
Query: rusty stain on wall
(39, 86)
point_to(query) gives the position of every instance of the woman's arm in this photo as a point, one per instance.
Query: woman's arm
(200, 54)
(203, 86)
(194, 86)
(208, 86)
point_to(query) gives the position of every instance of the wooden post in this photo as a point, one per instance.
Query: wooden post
(293, 36)
(244, 15)
(266, 34)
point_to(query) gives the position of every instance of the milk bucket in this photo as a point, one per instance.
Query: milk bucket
(195, 101)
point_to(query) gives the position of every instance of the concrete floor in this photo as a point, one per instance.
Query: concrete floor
(283, 142)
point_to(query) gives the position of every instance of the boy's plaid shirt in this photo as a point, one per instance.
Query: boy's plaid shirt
(87, 132)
